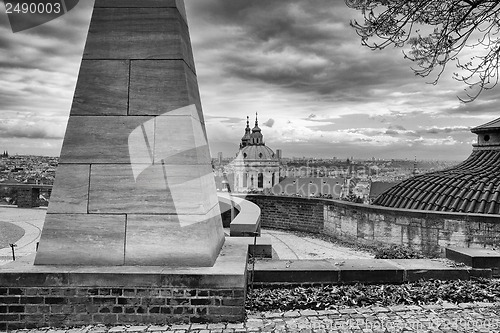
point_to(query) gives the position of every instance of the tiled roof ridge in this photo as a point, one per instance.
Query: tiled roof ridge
(489, 125)
(472, 186)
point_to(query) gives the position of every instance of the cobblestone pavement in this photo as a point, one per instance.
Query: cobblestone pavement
(466, 317)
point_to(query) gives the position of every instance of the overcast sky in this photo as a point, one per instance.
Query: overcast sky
(297, 63)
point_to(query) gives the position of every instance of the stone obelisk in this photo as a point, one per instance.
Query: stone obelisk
(134, 185)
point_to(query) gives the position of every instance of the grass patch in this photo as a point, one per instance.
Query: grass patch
(9, 234)
(341, 296)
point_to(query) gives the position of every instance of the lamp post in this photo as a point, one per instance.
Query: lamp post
(12, 246)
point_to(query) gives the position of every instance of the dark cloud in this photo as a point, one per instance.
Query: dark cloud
(269, 123)
(296, 46)
(445, 130)
(27, 131)
(392, 132)
(397, 127)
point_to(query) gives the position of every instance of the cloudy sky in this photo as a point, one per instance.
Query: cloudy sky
(297, 63)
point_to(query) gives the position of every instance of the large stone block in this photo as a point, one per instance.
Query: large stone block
(182, 245)
(71, 189)
(178, 4)
(95, 139)
(159, 86)
(102, 88)
(159, 189)
(138, 33)
(82, 239)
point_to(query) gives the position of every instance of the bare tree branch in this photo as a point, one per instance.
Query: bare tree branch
(456, 25)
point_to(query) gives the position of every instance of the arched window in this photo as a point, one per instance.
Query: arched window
(260, 180)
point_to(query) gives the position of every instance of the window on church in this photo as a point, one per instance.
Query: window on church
(260, 180)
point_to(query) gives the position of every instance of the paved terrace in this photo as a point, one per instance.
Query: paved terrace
(478, 317)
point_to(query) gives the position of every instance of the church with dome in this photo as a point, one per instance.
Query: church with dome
(256, 166)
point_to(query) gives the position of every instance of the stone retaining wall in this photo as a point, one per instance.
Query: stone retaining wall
(72, 296)
(28, 197)
(427, 231)
(25, 307)
(290, 213)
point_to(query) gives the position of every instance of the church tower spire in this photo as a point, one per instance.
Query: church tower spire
(245, 140)
(257, 137)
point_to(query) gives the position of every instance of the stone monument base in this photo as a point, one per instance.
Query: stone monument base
(69, 296)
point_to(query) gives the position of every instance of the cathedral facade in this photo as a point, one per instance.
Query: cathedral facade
(256, 166)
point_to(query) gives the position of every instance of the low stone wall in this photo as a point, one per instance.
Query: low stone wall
(427, 231)
(28, 197)
(28, 307)
(247, 221)
(71, 296)
(292, 213)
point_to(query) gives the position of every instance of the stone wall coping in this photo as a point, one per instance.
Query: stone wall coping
(491, 218)
(248, 219)
(27, 186)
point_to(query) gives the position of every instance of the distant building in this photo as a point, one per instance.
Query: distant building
(279, 154)
(256, 166)
(5, 154)
(472, 186)
(220, 158)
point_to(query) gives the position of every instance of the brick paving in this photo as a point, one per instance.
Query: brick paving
(466, 317)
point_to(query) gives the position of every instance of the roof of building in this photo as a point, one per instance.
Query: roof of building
(257, 153)
(377, 188)
(473, 186)
(492, 125)
(246, 136)
(309, 186)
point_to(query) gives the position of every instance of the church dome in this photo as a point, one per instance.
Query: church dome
(259, 152)
(472, 186)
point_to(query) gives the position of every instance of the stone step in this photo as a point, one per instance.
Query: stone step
(329, 271)
(476, 257)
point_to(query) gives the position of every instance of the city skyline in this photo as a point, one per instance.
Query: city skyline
(318, 92)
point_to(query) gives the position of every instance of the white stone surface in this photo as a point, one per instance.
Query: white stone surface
(31, 220)
(289, 246)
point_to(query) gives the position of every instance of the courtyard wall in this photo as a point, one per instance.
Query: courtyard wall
(427, 231)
